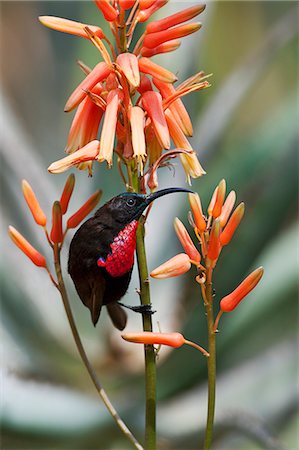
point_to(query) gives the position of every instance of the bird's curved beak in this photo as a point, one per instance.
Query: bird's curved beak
(151, 197)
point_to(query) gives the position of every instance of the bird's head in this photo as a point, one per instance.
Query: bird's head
(129, 206)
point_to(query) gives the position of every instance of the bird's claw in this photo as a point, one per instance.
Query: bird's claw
(142, 309)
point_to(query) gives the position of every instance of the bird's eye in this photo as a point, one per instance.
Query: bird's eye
(131, 201)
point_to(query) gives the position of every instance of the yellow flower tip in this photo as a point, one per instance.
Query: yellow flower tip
(56, 234)
(186, 241)
(196, 209)
(87, 153)
(227, 208)
(33, 204)
(37, 258)
(231, 301)
(174, 267)
(67, 193)
(128, 63)
(232, 225)
(159, 72)
(152, 103)
(98, 74)
(149, 338)
(85, 209)
(214, 242)
(220, 196)
(191, 165)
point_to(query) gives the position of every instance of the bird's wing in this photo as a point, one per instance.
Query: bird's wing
(117, 315)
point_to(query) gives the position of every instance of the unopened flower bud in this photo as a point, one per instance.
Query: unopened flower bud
(174, 267)
(172, 339)
(227, 208)
(37, 258)
(230, 301)
(88, 206)
(233, 223)
(33, 204)
(186, 240)
(219, 199)
(196, 209)
(56, 234)
(67, 193)
(214, 244)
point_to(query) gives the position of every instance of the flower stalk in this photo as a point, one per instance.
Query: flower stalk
(149, 350)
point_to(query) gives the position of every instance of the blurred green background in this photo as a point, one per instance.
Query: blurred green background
(246, 130)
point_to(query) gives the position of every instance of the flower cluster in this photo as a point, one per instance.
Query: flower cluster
(130, 98)
(213, 232)
(59, 209)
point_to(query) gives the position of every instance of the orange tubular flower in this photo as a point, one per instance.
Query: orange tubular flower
(109, 127)
(99, 73)
(166, 47)
(56, 234)
(129, 64)
(70, 26)
(108, 11)
(37, 258)
(138, 138)
(174, 267)
(88, 153)
(186, 241)
(145, 4)
(233, 223)
(177, 107)
(85, 124)
(88, 206)
(33, 204)
(152, 103)
(126, 4)
(227, 208)
(230, 301)
(172, 339)
(154, 39)
(67, 193)
(123, 70)
(196, 209)
(220, 195)
(212, 202)
(214, 243)
(151, 68)
(145, 14)
(175, 19)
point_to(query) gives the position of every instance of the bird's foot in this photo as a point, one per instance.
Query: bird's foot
(142, 309)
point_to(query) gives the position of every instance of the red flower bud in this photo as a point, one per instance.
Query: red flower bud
(56, 234)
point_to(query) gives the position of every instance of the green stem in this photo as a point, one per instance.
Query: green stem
(211, 363)
(149, 350)
(102, 393)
